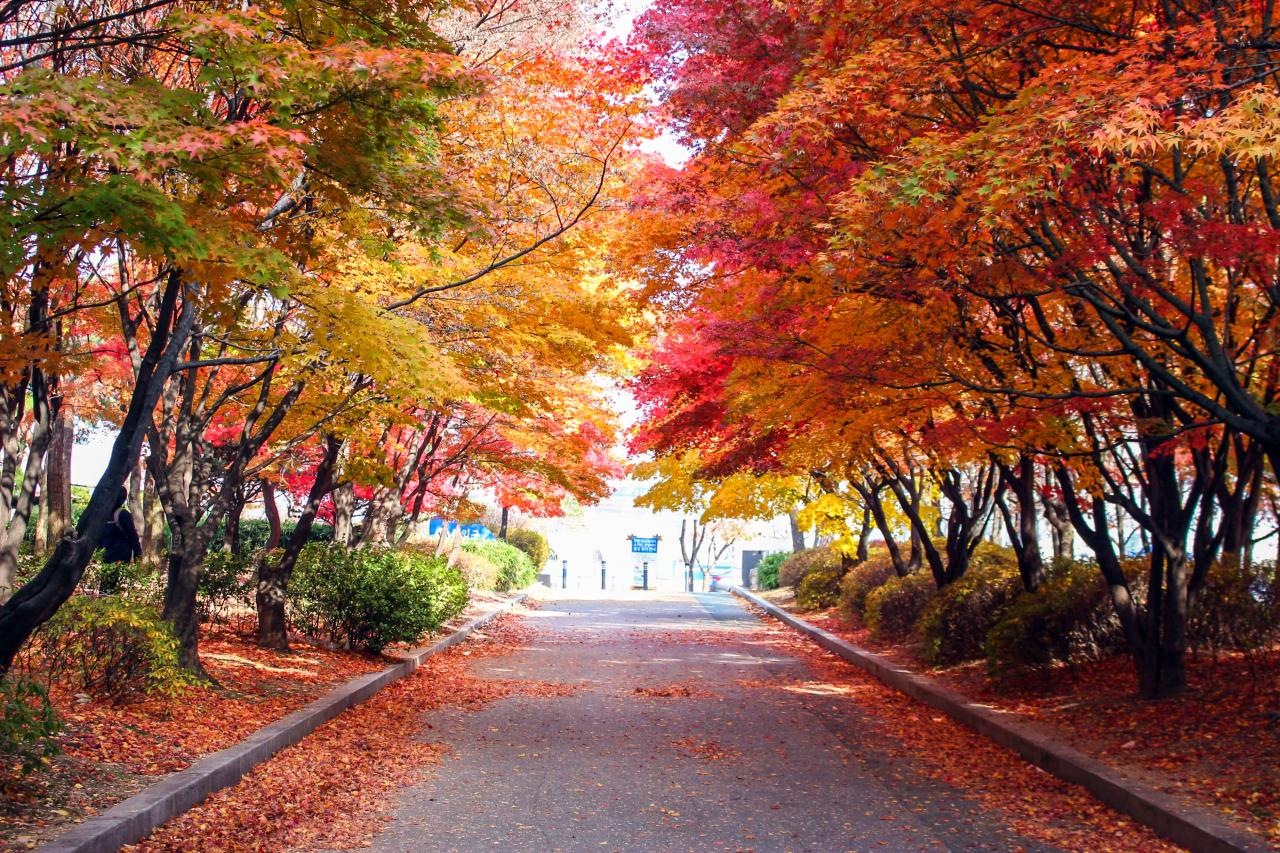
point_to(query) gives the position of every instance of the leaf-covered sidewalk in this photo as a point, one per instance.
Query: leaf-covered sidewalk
(1218, 746)
(111, 753)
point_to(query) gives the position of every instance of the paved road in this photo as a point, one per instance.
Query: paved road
(737, 766)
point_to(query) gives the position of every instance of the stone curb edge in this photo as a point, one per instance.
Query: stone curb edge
(1168, 816)
(133, 819)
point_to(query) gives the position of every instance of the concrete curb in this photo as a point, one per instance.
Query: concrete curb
(134, 819)
(1170, 817)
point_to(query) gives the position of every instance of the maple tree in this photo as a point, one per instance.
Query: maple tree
(975, 258)
(337, 218)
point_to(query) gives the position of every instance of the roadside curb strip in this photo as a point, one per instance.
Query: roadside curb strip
(132, 820)
(1168, 816)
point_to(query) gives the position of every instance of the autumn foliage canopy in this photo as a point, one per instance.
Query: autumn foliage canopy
(943, 268)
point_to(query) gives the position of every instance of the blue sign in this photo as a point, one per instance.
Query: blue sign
(644, 546)
(469, 531)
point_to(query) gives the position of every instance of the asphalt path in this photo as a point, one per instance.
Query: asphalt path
(752, 760)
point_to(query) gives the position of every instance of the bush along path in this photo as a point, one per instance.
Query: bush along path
(135, 818)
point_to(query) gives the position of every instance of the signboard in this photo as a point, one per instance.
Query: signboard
(469, 531)
(644, 546)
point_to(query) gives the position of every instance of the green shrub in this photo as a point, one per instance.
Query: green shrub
(29, 728)
(820, 587)
(534, 544)
(895, 608)
(767, 571)
(225, 580)
(1238, 608)
(254, 533)
(862, 580)
(955, 624)
(515, 569)
(135, 581)
(800, 563)
(373, 597)
(109, 648)
(1069, 618)
(478, 572)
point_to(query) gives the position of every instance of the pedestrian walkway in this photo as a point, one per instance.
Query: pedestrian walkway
(679, 737)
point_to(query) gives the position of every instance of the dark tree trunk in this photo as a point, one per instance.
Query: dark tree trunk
(273, 514)
(231, 527)
(869, 490)
(1023, 532)
(152, 522)
(502, 532)
(1063, 533)
(274, 574)
(40, 598)
(864, 535)
(797, 535)
(186, 562)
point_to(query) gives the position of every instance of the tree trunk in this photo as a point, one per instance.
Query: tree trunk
(870, 493)
(1023, 533)
(40, 599)
(186, 562)
(274, 574)
(58, 470)
(797, 535)
(1063, 533)
(344, 503)
(152, 522)
(135, 494)
(42, 518)
(864, 536)
(273, 513)
(231, 527)
(502, 533)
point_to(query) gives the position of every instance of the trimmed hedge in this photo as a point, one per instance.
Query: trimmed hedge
(534, 544)
(1067, 619)
(863, 579)
(515, 569)
(820, 587)
(107, 647)
(955, 624)
(370, 598)
(894, 609)
(800, 563)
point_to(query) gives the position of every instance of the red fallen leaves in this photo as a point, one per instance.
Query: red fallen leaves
(332, 789)
(255, 688)
(1216, 744)
(676, 692)
(707, 750)
(1036, 805)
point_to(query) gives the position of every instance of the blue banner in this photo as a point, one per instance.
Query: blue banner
(469, 531)
(644, 546)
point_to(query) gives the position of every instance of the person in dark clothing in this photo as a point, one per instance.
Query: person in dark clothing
(119, 543)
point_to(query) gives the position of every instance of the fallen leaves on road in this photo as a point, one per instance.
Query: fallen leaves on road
(676, 691)
(333, 789)
(111, 753)
(254, 688)
(707, 750)
(1216, 744)
(1036, 805)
